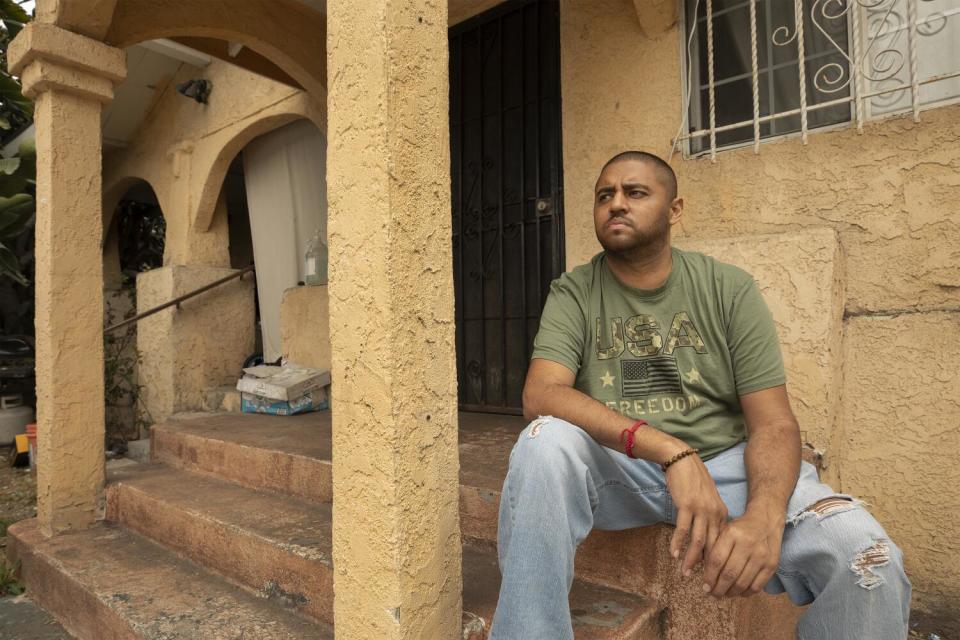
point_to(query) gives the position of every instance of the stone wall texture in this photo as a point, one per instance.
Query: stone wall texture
(891, 196)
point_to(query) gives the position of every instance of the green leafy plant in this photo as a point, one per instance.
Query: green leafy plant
(17, 173)
(16, 111)
(10, 585)
(17, 208)
(126, 414)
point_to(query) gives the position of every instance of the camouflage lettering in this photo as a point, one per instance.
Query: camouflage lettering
(683, 334)
(643, 335)
(615, 349)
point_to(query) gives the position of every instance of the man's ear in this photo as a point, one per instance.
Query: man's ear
(676, 210)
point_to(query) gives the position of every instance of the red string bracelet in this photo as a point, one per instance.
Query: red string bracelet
(629, 433)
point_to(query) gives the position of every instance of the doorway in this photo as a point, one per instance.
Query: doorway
(507, 191)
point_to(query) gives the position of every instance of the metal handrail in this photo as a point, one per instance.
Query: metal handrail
(176, 301)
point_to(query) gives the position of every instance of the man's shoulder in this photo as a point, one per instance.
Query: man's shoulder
(705, 268)
(579, 279)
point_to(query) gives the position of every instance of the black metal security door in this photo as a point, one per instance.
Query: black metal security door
(507, 193)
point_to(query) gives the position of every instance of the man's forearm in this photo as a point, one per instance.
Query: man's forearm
(601, 422)
(772, 461)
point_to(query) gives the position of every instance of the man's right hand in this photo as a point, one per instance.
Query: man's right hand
(701, 514)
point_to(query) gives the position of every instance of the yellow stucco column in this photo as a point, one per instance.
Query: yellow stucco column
(69, 77)
(396, 540)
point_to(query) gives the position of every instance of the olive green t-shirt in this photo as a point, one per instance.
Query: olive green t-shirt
(679, 356)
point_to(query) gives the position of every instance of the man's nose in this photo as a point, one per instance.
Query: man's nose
(618, 203)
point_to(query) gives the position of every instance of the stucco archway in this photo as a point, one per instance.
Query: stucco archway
(210, 171)
(114, 194)
(288, 33)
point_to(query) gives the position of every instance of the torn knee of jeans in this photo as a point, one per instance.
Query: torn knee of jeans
(826, 507)
(864, 563)
(537, 425)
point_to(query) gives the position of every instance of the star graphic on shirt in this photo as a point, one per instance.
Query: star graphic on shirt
(607, 379)
(693, 376)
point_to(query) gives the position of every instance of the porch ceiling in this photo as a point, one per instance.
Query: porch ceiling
(151, 64)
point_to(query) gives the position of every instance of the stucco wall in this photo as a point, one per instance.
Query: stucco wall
(801, 276)
(305, 326)
(891, 195)
(183, 149)
(190, 350)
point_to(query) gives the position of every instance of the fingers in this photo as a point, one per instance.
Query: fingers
(743, 584)
(713, 532)
(695, 548)
(684, 518)
(728, 575)
(763, 577)
(716, 561)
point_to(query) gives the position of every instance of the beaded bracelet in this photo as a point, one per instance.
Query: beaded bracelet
(629, 433)
(679, 456)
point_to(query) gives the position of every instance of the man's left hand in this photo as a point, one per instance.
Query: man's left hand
(744, 557)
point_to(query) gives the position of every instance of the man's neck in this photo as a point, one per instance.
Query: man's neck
(643, 271)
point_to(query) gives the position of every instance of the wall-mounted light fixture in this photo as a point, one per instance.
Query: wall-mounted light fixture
(198, 89)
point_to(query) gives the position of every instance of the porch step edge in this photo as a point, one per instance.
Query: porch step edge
(107, 583)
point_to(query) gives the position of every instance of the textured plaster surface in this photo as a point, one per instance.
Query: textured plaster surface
(183, 150)
(91, 18)
(656, 16)
(396, 529)
(69, 276)
(305, 326)
(892, 194)
(900, 455)
(288, 33)
(200, 346)
(801, 277)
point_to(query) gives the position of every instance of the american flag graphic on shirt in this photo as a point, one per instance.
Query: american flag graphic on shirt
(650, 376)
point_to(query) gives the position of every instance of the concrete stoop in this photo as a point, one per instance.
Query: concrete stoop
(108, 583)
(227, 533)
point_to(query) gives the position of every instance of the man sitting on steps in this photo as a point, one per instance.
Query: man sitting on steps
(657, 394)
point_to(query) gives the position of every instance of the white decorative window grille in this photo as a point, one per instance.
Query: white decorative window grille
(862, 59)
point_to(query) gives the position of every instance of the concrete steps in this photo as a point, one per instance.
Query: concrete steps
(254, 449)
(108, 583)
(233, 514)
(288, 455)
(278, 547)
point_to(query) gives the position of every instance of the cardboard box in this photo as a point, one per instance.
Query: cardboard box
(315, 400)
(286, 383)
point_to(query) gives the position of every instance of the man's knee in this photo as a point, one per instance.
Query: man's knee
(549, 441)
(854, 540)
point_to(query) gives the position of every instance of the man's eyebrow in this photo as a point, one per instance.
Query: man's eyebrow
(605, 189)
(635, 185)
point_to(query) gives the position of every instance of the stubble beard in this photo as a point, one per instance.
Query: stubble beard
(645, 243)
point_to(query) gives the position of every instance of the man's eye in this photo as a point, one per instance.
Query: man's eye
(638, 194)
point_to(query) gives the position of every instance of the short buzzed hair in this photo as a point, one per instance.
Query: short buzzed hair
(663, 170)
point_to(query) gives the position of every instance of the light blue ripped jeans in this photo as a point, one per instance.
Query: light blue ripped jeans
(562, 483)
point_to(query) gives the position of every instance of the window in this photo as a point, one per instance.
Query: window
(745, 81)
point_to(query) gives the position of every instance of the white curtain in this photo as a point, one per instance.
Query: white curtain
(286, 182)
